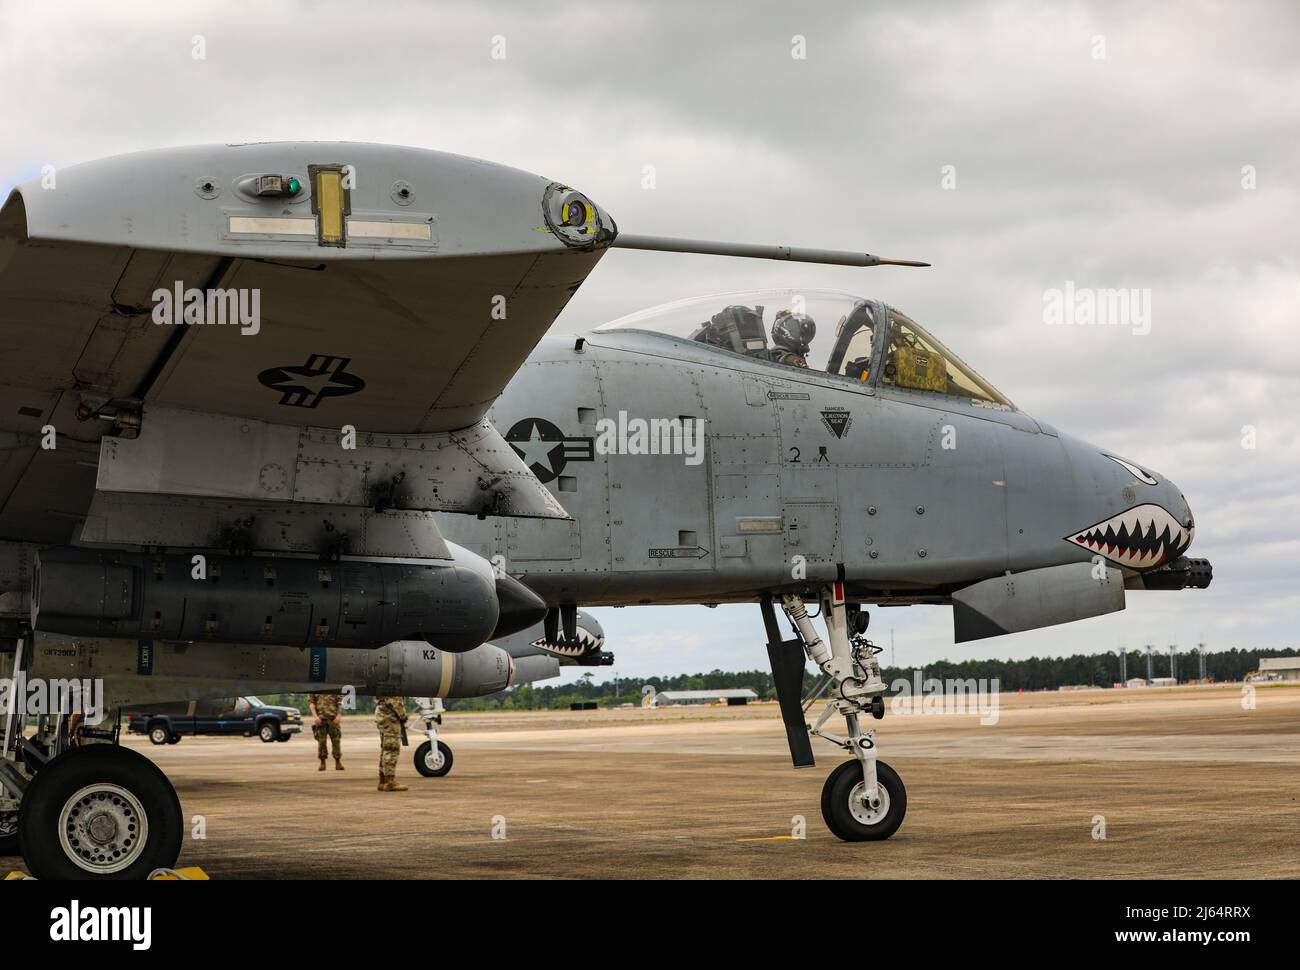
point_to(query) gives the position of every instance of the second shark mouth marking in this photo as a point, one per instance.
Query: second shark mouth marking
(1143, 537)
(585, 643)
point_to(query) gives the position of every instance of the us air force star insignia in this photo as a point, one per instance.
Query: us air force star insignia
(545, 449)
(306, 385)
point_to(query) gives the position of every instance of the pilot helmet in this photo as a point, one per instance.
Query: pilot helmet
(793, 331)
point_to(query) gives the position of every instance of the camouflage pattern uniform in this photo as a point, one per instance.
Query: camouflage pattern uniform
(390, 715)
(328, 708)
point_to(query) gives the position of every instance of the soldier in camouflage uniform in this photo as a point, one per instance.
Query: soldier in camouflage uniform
(390, 717)
(792, 336)
(327, 723)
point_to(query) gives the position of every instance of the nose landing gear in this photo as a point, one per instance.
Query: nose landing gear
(863, 799)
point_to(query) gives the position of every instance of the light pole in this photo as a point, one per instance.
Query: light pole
(1151, 673)
(1173, 662)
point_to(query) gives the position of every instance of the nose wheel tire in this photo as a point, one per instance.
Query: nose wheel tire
(847, 812)
(433, 762)
(99, 814)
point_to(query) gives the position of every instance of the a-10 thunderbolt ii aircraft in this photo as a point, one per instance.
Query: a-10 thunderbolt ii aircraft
(174, 477)
(238, 383)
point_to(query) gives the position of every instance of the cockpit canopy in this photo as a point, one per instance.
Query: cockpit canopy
(822, 330)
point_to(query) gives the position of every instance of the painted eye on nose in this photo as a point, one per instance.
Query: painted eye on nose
(1138, 473)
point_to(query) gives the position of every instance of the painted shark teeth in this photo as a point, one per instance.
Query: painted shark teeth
(1142, 537)
(586, 643)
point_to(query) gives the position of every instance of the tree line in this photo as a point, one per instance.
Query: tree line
(1032, 673)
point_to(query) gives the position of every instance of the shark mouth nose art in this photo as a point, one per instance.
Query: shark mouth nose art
(1140, 538)
(580, 646)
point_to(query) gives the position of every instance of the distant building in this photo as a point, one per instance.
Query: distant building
(1281, 668)
(1135, 682)
(678, 698)
(1163, 682)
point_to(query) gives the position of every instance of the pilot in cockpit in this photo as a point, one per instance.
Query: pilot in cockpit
(792, 335)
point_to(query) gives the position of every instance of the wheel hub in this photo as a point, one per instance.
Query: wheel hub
(861, 809)
(103, 828)
(434, 759)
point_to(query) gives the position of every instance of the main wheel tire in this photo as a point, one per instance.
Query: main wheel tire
(106, 814)
(9, 833)
(159, 734)
(431, 763)
(849, 817)
(269, 731)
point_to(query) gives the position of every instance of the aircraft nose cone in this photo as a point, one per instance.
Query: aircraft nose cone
(519, 607)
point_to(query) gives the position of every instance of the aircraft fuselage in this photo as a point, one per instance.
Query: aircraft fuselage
(804, 477)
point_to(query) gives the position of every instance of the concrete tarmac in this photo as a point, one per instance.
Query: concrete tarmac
(1190, 782)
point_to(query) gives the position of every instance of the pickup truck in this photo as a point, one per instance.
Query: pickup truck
(240, 716)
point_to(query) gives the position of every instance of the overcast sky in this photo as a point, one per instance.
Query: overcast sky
(1113, 145)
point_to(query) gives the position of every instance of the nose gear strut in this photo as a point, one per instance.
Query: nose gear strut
(867, 803)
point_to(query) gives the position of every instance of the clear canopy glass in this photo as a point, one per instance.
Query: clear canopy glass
(916, 360)
(825, 330)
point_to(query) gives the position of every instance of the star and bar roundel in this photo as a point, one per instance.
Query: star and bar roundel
(545, 449)
(306, 385)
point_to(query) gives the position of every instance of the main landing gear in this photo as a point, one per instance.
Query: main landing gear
(863, 800)
(78, 806)
(433, 757)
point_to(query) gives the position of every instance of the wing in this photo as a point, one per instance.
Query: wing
(308, 287)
